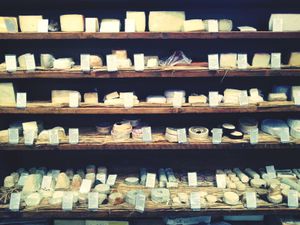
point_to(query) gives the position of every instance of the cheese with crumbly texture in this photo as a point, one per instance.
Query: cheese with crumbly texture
(166, 21)
(29, 23)
(72, 23)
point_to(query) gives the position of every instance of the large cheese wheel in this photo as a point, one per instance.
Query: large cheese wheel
(72, 23)
(29, 23)
(166, 21)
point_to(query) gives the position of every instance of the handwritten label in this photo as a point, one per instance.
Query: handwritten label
(139, 62)
(221, 180)
(192, 179)
(285, 135)
(181, 135)
(93, 200)
(276, 60)
(128, 99)
(53, 137)
(13, 136)
(177, 99)
(21, 100)
(14, 203)
(293, 199)
(277, 25)
(67, 201)
(47, 183)
(91, 25)
(22, 179)
(43, 26)
(254, 136)
(30, 62)
(11, 63)
(243, 98)
(29, 137)
(242, 61)
(195, 201)
(111, 62)
(251, 200)
(147, 134)
(213, 62)
(217, 134)
(150, 180)
(85, 186)
(101, 177)
(73, 136)
(213, 97)
(129, 25)
(85, 62)
(213, 26)
(73, 100)
(111, 179)
(271, 171)
(140, 201)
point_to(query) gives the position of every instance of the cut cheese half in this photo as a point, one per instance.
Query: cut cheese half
(166, 21)
(228, 60)
(7, 94)
(8, 24)
(294, 59)
(290, 21)
(110, 25)
(139, 19)
(193, 25)
(261, 60)
(29, 23)
(72, 23)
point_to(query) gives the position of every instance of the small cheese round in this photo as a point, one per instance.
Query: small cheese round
(116, 198)
(231, 198)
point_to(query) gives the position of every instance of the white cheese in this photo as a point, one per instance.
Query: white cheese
(72, 23)
(139, 19)
(91, 98)
(62, 96)
(22, 61)
(294, 59)
(63, 63)
(228, 60)
(295, 92)
(225, 25)
(8, 24)
(166, 21)
(120, 54)
(7, 96)
(47, 61)
(95, 61)
(110, 25)
(290, 21)
(91, 25)
(261, 60)
(277, 97)
(193, 25)
(29, 23)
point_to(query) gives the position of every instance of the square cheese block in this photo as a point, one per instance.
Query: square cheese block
(29, 23)
(228, 60)
(110, 25)
(8, 24)
(294, 59)
(7, 94)
(120, 54)
(291, 22)
(72, 23)
(91, 25)
(139, 19)
(151, 61)
(193, 25)
(261, 60)
(225, 25)
(197, 99)
(91, 98)
(166, 21)
(62, 96)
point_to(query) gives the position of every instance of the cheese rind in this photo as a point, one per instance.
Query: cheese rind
(7, 96)
(29, 23)
(166, 21)
(193, 25)
(290, 21)
(139, 19)
(8, 24)
(72, 23)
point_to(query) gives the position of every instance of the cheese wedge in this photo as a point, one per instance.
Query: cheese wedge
(8, 24)
(193, 25)
(228, 60)
(72, 23)
(7, 94)
(139, 19)
(294, 59)
(261, 60)
(29, 23)
(166, 21)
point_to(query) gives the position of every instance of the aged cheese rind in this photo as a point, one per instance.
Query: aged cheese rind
(166, 21)
(72, 23)
(193, 25)
(8, 24)
(139, 19)
(29, 23)
(7, 96)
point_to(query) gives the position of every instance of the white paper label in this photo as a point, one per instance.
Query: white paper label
(181, 135)
(243, 98)
(129, 25)
(85, 62)
(67, 201)
(242, 61)
(213, 62)
(47, 183)
(192, 179)
(254, 136)
(85, 186)
(90, 25)
(73, 136)
(21, 100)
(22, 179)
(53, 137)
(277, 25)
(221, 180)
(177, 99)
(140, 201)
(195, 201)
(139, 62)
(14, 203)
(30, 62)
(251, 200)
(29, 137)
(73, 100)
(297, 98)
(147, 134)
(111, 62)
(213, 26)
(293, 199)
(101, 177)
(285, 135)
(111, 179)
(11, 63)
(93, 200)
(276, 60)
(271, 171)
(43, 26)
(217, 135)
(150, 180)
(213, 97)
(13, 136)
(128, 99)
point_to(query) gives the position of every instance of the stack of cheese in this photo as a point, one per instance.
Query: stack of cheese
(121, 131)
(122, 60)
(170, 95)
(117, 99)
(171, 134)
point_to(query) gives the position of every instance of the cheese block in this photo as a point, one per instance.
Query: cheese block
(33, 199)
(8, 24)
(110, 25)
(63, 182)
(225, 25)
(166, 21)
(294, 59)
(7, 96)
(91, 25)
(30, 126)
(95, 61)
(47, 61)
(22, 60)
(44, 135)
(197, 99)
(112, 95)
(62, 96)
(120, 54)
(295, 92)
(124, 63)
(139, 18)
(261, 60)
(277, 97)
(193, 25)
(29, 23)
(290, 21)
(63, 63)
(247, 29)
(31, 184)
(91, 98)
(151, 61)
(4, 136)
(72, 23)
(228, 60)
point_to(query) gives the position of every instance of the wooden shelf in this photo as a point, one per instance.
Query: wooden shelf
(151, 35)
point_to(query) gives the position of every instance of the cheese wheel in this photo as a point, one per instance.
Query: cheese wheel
(29, 23)
(72, 23)
(166, 21)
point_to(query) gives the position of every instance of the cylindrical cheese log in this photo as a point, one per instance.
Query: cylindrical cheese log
(252, 173)
(291, 183)
(243, 177)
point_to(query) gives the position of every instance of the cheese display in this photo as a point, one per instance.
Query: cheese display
(63, 96)
(8, 24)
(261, 60)
(228, 61)
(290, 22)
(29, 23)
(7, 96)
(139, 19)
(72, 23)
(193, 25)
(110, 25)
(294, 59)
(166, 21)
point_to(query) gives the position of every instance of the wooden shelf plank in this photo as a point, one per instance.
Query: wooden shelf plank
(151, 35)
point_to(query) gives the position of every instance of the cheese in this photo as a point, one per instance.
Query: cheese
(22, 61)
(7, 96)
(91, 98)
(29, 23)
(197, 99)
(151, 61)
(277, 97)
(91, 25)
(261, 60)
(33, 199)
(139, 19)
(110, 25)
(166, 21)
(156, 99)
(228, 60)
(47, 61)
(247, 29)
(290, 21)
(120, 54)
(295, 92)
(44, 135)
(62, 96)
(95, 61)
(63, 182)
(295, 59)
(112, 95)
(8, 24)
(272, 126)
(63, 63)
(72, 23)
(31, 184)
(193, 25)
(225, 25)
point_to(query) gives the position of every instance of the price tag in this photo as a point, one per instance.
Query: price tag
(85, 62)
(67, 201)
(47, 183)
(195, 201)
(129, 25)
(73, 100)
(85, 186)
(217, 134)
(140, 201)
(254, 136)
(53, 137)
(101, 177)
(11, 63)
(93, 200)
(21, 100)
(150, 180)
(192, 179)
(73, 136)
(242, 61)
(91, 25)
(13, 136)
(14, 203)
(181, 136)
(177, 99)
(111, 180)
(251, 200)
(243, 98)
(29, 137)
(276, 60)
(213, 97)
(277, 25)
(22, 179)
(139, 62)
(221, 180)
(297, 98)
(43, 26)
(128, 99)
(30, 62)
(213, 26)
(213, 62)
(111, 61)
(271, 171)
(293, 199)
(285, 135)
(147, 134)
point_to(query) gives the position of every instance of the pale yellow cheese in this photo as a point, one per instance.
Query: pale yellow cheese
(91, 98)
(8, 24)
(7, 94)
(228, 60)
(29, 23)
(193, 25)
(166, 21)
(62, 96)
(261, 60)
(294, 59)
(72, 23)
(139, 19)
